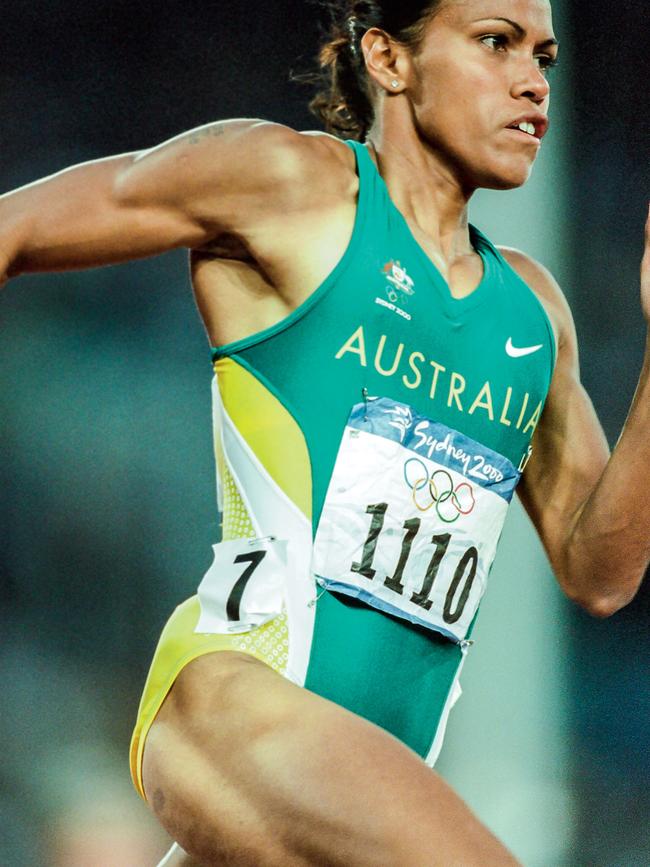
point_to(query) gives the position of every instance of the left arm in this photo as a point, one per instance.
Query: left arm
(598, 553)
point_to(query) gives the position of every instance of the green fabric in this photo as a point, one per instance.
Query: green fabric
(446, 358)
(392, 673)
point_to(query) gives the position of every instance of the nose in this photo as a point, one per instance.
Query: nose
(531, 83)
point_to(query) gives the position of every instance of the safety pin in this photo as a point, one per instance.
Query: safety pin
(315, 600)
(261, 539)
(524, 460)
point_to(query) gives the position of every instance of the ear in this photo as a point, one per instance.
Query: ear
(386, 60)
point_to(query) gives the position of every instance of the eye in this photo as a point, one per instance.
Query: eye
(495, 41)
(545, 62)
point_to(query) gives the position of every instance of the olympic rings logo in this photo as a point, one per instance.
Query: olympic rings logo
(450, 502)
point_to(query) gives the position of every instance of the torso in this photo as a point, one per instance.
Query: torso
(382, 323)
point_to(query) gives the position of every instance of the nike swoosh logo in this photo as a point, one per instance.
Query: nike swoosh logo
(520, 351)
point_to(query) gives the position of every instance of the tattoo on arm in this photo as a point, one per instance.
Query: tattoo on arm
(200, 135)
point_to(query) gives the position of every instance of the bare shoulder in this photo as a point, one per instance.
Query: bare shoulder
(547, 290)
(273, 151)
(316, 162)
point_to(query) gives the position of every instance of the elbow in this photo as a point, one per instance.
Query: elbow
(601, 592)
(600, 605)
(601, 608)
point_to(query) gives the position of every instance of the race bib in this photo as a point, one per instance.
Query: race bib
(245, 585)
(412, 517)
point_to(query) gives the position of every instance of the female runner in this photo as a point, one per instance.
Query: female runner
(381, 369)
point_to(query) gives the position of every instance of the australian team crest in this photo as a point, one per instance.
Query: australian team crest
(401, 285)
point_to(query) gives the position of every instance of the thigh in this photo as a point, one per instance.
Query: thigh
(245, 768)
(202, 769)
(179, 644)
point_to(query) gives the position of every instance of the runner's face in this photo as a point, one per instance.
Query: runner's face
(480, 69)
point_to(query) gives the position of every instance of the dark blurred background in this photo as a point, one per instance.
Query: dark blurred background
(107, 508)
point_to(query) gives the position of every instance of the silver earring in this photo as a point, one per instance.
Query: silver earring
(394, 83)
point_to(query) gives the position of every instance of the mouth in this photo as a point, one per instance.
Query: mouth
(533, 126)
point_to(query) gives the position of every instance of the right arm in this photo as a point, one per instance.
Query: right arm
(218, 179)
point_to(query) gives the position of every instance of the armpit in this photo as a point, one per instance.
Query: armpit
(225, 246)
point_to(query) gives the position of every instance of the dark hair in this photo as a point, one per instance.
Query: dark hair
(344, 105)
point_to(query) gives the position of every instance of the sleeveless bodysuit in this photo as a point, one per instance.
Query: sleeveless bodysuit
(367, 448)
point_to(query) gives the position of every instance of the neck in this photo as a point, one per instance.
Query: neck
(424, 188)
